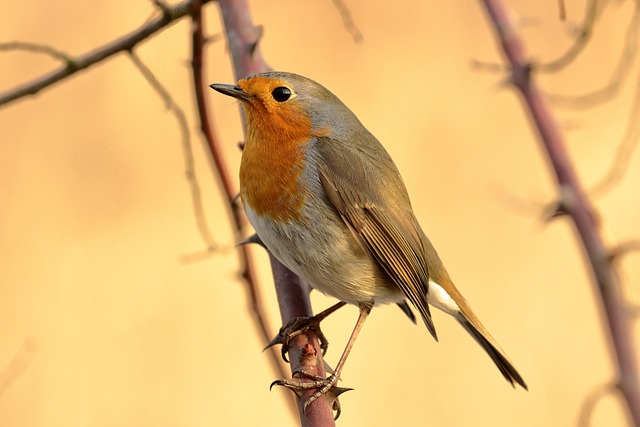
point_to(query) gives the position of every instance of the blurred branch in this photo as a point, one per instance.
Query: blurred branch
(72, 65)
(38, 48)
(584, 35)
(19, 363)
(591, 401)
(293, 296)
(574, 203)
(624, 249)
(348, 21)
(620, 73)
(625, 148)
(196, 197)
(562, 10)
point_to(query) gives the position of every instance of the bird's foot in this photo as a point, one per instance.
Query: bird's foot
(324, 387)
(295, 327)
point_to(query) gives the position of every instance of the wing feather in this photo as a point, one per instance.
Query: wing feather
(389, 233)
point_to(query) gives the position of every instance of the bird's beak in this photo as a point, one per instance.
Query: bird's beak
(231, 90)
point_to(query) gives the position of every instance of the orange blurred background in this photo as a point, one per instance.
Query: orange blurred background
(103, 324)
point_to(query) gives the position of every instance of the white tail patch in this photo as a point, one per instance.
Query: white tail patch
(440, 299)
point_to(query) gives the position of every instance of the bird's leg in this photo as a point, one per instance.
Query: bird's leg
(326, 385)
(299, 325)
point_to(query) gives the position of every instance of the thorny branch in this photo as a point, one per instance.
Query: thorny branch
(574, 203)
(248, 273)
(293, 296)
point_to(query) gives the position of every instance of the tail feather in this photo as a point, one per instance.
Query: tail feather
(407, 310)
(498, 357)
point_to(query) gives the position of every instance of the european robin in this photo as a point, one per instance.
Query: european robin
(327, 200)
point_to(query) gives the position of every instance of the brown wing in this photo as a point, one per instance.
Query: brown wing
(380, 219)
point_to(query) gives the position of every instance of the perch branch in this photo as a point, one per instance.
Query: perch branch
(198, 42)
(293, 295)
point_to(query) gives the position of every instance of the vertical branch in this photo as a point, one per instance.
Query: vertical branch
(198, 42)
(293, 295)
(574, 203)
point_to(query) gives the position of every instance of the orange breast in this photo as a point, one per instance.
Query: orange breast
(273, 162)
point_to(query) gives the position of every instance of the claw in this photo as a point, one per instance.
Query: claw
(324, 387)
(320, 386)
(295, 327)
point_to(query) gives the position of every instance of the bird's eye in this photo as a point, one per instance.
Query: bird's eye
(281, 93)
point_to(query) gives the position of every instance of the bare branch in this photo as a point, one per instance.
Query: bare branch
(293, 295)
(625, 149)
(37, 48)
(74, 64)
(624, 248)
(187, 150)
(590, 402)
(584, 35)
(577, 207)
(617, 78)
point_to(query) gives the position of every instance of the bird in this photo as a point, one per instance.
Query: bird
(327, 200)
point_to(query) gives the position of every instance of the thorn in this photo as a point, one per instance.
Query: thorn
(485, 66)
(623, 249)
(235, 199)
(553, 210)
(213, 38)
(254, 45)
(560, 207)
(254, 238)
(279, 339)
(164, 7)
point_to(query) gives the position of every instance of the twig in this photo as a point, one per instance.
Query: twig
(624, 150)
(618, 76)
(562, 10)
(38, 48)
(591, 401)
(575, 204)
(624, 248)
(293, 296)
(187, 149)
(74, 64)
(584, 35)
(348, 21)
